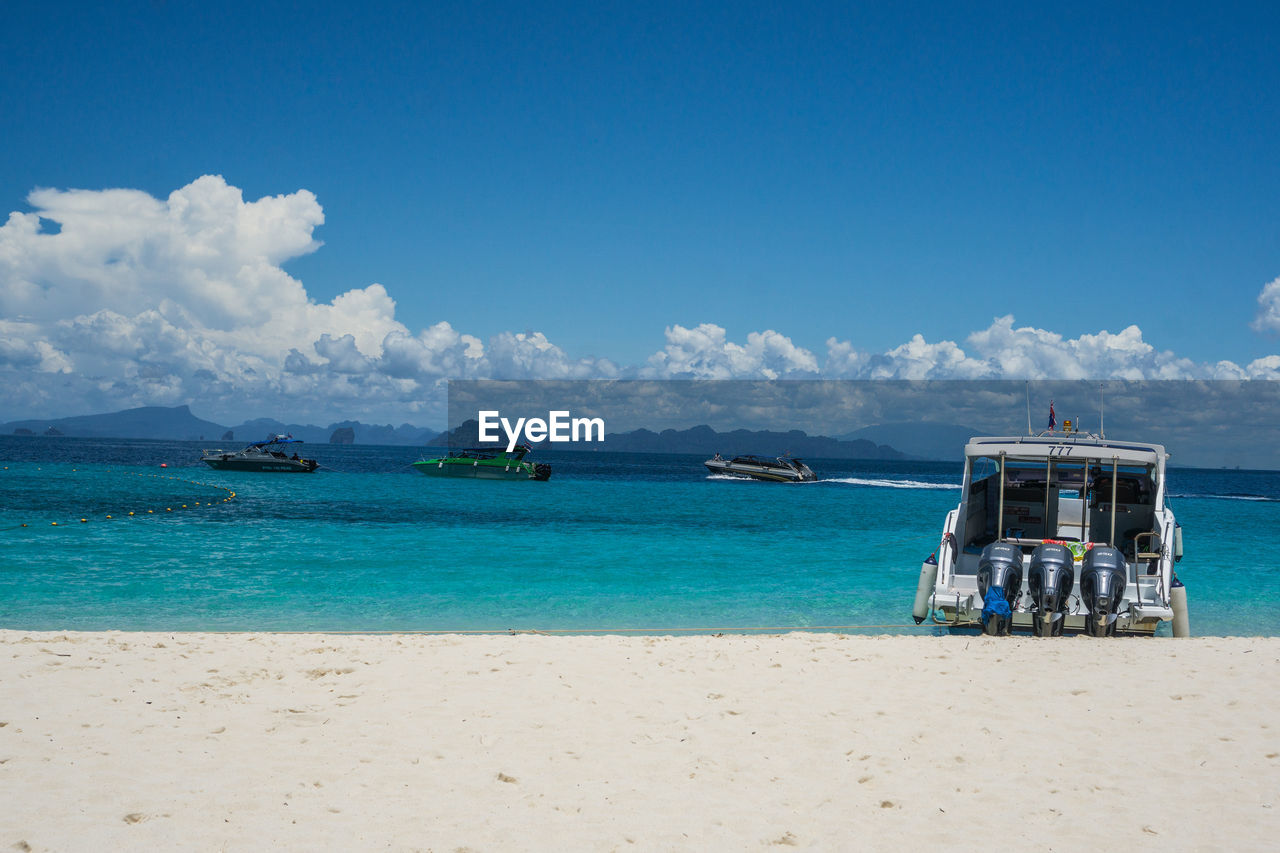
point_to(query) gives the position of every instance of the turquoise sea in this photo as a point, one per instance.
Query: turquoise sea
(613, 541)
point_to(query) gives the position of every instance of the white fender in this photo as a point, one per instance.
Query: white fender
(924, 589)
(1181, 616)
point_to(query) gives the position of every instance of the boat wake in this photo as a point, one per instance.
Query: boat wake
(890, 484)
(1229, 497)
(853, 481)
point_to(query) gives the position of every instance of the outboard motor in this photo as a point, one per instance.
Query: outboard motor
(999, 583)
(542, 471)
(1050, 580)
(1103, 578)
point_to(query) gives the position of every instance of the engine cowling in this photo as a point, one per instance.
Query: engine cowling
(1103, 577)
(999, 584)
(1050, 580)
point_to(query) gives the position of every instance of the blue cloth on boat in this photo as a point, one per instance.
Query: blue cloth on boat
(994, 604)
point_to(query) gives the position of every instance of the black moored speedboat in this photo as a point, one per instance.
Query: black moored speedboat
(273, 454)
(779, 469)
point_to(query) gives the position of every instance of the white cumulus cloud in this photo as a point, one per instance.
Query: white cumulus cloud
(115, 298)
(1006, 351)
(135, 300)
(1268, 318)
(705, 352)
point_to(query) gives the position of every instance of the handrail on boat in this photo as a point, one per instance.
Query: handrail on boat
(933, 611)
(1139, 554)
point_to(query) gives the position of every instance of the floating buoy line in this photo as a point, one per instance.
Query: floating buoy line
(168, 507)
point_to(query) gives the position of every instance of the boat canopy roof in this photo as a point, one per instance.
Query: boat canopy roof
(1068, 448)
(276, 439)
(491, 452)
(766, 460)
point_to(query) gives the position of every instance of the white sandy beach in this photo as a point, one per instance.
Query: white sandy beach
(113, 741)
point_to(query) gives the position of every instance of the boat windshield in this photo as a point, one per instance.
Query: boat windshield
(762, 460)
(474, 453)
(489, 452)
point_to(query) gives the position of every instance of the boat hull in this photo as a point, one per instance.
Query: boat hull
(771, 475)
(275, 466)
(968, 623)
(469, 470)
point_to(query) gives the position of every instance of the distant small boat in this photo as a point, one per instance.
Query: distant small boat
(486, 463)
(780, 469)
(271, 454)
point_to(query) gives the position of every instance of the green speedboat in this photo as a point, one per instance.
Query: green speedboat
(486, 463)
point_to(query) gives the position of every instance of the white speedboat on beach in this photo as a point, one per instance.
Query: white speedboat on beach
(778, 469)
(1057, 532)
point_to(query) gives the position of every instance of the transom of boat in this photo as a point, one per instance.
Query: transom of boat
(1082, 491)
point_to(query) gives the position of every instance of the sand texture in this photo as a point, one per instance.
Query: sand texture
(124, 741)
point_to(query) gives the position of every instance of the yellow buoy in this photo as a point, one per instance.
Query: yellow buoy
(83, 520)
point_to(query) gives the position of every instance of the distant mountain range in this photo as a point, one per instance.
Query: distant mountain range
(913, 440)
(704, 439)
(179, 423)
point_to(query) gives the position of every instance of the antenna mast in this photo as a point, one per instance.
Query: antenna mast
(1102, 410)
(1028, 407)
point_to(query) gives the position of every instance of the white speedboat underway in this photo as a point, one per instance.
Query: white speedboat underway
(780, 469)
(1057, 532)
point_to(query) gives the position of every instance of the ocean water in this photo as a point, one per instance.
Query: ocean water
(613, 541)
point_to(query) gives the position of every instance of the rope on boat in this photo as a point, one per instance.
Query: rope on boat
(771, 629)
(929, 540)
(325, 466)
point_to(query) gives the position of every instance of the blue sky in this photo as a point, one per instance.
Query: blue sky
(608, 176)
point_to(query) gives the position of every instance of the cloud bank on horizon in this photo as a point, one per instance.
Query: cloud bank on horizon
(112, 298)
